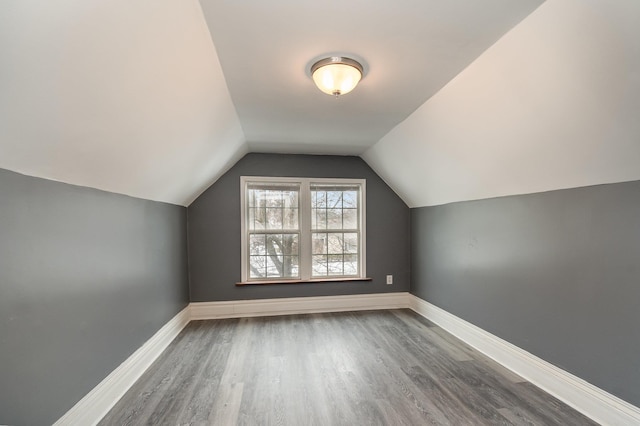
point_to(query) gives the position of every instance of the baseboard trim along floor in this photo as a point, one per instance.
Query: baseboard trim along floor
(97, 403)
(590, 400)
(297, 305)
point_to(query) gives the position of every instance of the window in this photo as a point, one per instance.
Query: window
(301, 229)
(273, 230)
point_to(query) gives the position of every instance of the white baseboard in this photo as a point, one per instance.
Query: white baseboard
(590, 400)
(97, 403)
(594, 402)
(297, 305)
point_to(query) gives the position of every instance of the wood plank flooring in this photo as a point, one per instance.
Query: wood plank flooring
(352, 368)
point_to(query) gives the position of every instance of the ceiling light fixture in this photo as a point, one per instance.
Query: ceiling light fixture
(336, 75)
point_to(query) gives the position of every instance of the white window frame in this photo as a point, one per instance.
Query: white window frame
(305, 264)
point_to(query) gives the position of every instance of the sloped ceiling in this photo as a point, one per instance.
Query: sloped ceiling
(156, 99)
(553, 104)
(131, 97)
(125, 96)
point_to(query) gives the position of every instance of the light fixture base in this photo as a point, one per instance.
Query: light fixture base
(337, 60)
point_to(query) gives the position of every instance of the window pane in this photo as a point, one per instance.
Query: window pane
(279, 255)
(290, 244)
(290, 267)
(319, 265)
(257, 245)
(274, 198)
(350, 199)
(318, 219)
(334, 219)
(318, 199)
(335, 264)
(334, 199)
(350, 218)
(334, 244)
(290, 199)
(351, 243)
(254, 196)
(350, 264)
(251, 212)
(273, 207)
(319, 243)
(274, 244)
(274, 218)
(257, 266)
(278, 244)
(251, 198)
(290, 219)
(261, 199)
(261, 218)
(274, 266)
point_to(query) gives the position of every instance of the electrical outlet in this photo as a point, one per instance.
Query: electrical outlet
(389, 279)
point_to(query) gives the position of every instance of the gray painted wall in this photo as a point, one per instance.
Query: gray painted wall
(556, 273)
(214, 231)
(86, 277)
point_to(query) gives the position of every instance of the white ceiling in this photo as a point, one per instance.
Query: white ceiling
(409, 48)
(157, 98)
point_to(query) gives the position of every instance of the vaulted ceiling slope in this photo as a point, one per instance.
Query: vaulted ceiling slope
(124, 96)
(131, 96)
(554, 104)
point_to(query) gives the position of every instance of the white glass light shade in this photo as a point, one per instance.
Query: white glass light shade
(336, 76)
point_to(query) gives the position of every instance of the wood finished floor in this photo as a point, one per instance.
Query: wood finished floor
(353, 368)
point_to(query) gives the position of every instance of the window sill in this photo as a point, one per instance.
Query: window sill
(312, 281)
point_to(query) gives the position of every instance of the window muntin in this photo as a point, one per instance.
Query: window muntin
(302, 228)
